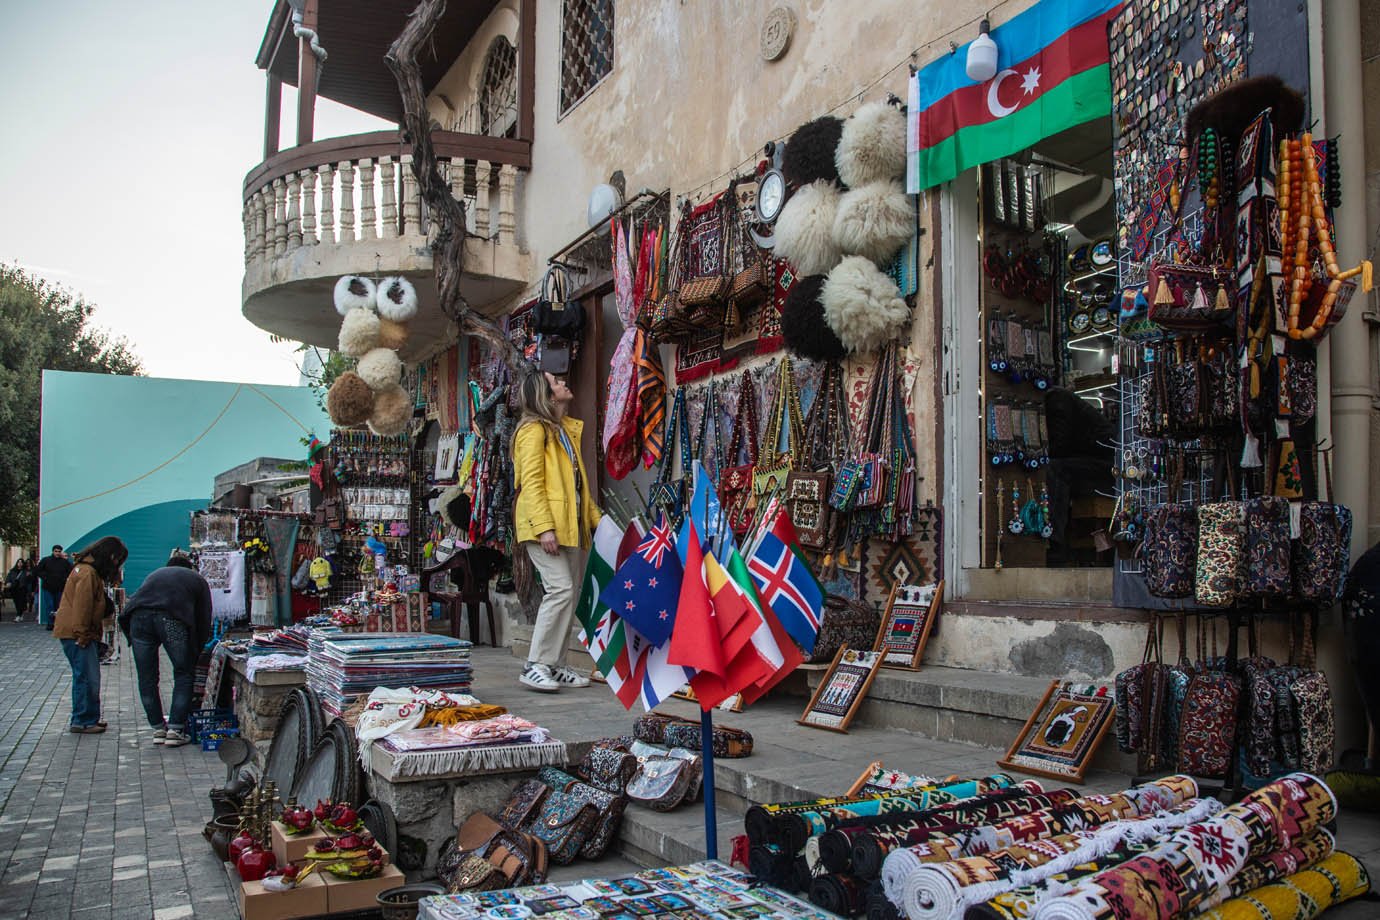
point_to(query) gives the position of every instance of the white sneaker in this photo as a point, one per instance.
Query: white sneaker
(539, 677)
(568, 677)
(175, 738)
(159, 734)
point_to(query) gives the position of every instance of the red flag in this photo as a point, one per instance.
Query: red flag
(790, 653)
(696, 638)
(745, 665)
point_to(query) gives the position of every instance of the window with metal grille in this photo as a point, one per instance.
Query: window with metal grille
(498, 91)
(586, 48)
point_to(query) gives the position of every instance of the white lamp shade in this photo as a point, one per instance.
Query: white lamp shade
(982, 58)
(603, 201)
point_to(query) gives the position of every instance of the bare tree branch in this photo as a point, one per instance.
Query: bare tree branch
(448, 250)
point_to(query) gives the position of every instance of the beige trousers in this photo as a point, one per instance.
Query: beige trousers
(559, 577)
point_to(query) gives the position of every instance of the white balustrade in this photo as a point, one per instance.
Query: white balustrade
(306, 208)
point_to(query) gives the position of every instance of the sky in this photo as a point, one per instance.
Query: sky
(128, 130)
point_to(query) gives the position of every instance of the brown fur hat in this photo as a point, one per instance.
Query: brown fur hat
(392, 411)
(392, 334)
(349, 401)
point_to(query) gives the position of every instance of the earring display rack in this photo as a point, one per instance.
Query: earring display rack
(365, 461)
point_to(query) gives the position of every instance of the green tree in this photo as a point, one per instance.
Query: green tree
(42, 327)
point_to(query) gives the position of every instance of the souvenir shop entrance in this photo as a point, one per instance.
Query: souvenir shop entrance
(1029, 376)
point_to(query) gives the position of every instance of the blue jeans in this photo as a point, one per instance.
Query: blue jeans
(150, 631)
(47, 606)
(86, 682)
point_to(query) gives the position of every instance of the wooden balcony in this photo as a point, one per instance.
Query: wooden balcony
(350, 205)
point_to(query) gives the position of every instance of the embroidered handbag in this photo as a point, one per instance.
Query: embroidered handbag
(1207, 728)
(662, 783)
(1176, 680)
(651, 728)
(668, 491)
(523, 804)
(565, 824)
(1313, 705)
(726, 742)
(471, 872)
(735, 482)
(1188, 298)
(704, 248)
(607, 769)
(843, 496)
(752, 276)
(554, 315)
(1170, 549)
(556, 779)
(1322, 553)
(844, 622)
(609, 809)
(1140, 697)
(1185, 393)
(1267, 572)
(1221, 544)
(807, 500)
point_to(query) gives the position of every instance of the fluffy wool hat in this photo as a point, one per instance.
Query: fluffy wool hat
(349, 400)
(863, 306)
(809, 154)
(397, 299)
(380, 368)
(392, 411)
(454, 506)
(803, 325)
(805, 229)
(391, 334)
(872, 145)
(353, 291)
(359, 332)
(874, 220)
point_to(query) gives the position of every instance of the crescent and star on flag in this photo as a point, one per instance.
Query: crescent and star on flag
(1030, 82)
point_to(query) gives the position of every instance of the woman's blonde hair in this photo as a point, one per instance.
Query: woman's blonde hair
(536, 403)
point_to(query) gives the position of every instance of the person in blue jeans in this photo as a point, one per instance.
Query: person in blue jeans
(85, 603)
(52, 572)
(172, 611)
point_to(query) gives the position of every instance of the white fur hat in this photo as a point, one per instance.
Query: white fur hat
(392, 411)
(397, 299)
(380, 368)
(874, 220)
(863, 306)
(354, 291)
(359, 332)
(804, 231)
(873, 145)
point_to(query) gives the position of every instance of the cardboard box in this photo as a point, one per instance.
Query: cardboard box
(359, 894)
(306, 900)
(290, 849)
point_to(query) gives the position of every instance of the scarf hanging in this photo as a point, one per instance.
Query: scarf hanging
(620, 419)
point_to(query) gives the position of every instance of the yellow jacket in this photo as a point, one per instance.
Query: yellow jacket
(545, 483)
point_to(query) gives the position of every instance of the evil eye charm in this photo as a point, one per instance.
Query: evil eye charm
(1016, 527)
(1042, 382)
(997, 460)
(1047, 531)
(1002, 366)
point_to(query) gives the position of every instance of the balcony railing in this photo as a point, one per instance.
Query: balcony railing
(361, 189)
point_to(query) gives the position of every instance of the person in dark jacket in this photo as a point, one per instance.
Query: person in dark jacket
(171, 610)
(20, 583)
(52, 571)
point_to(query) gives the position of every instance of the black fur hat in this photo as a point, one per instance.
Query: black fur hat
(1232, 110)
(803, 325)
(809, 154)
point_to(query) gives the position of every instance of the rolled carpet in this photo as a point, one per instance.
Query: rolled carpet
(768, 863)
(801, 876)
(870, 852)
(838, 894)
(878, 906)
(836, 845)
(1020, 903)
(1301, 896)
(1193, 863)
(792, 829)
(943, 891)
(760, 820)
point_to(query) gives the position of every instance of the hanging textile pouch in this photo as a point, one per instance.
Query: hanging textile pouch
(1170, 549)
(1322, 553)
(565, 825)
(1267, 572)
(807, 499)
(1188, 298)
(1207, 728)
(1221, 547)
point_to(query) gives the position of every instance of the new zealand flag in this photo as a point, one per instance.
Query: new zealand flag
(645, 589)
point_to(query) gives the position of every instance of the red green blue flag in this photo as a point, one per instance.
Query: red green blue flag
(1053, 72)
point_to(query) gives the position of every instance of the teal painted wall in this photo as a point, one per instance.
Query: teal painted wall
(133, 457)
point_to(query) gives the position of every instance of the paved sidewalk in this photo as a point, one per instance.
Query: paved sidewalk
(97, 826)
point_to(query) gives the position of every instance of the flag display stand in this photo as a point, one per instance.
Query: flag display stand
(711, 818)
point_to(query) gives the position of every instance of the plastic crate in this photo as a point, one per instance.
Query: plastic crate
(203, 721)
(211, 740)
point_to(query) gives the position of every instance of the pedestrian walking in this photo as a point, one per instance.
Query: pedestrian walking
(52, 572)
(20, 584)
(554, 515)
(77, 624)
(172, 611)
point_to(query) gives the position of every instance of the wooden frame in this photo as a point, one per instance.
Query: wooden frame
(899, 657)
(733, 704)
(1080, 745)
(852, 695)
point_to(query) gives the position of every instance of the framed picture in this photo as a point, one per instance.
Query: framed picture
(1062, 734)
(910, 614)
(447, 454)
(839, 694)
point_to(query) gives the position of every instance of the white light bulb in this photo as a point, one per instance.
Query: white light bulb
(982, 56)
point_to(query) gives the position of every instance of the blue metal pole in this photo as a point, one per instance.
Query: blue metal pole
(711, 824)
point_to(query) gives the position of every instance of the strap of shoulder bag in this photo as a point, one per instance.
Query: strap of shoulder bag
(745, 426)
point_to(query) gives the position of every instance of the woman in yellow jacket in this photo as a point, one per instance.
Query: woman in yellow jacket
(78, 623)
(554, 516)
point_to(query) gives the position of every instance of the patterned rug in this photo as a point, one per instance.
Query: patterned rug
(1301, 896)
(1196, 862)
(917, 559)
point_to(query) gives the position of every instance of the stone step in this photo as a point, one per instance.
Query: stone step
(954, 704)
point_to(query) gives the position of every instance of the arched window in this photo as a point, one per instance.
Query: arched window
(586, 48)
(498, 90)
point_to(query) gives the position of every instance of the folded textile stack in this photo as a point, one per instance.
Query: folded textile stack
(344, 668)
(292, 640)
(503, 743)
